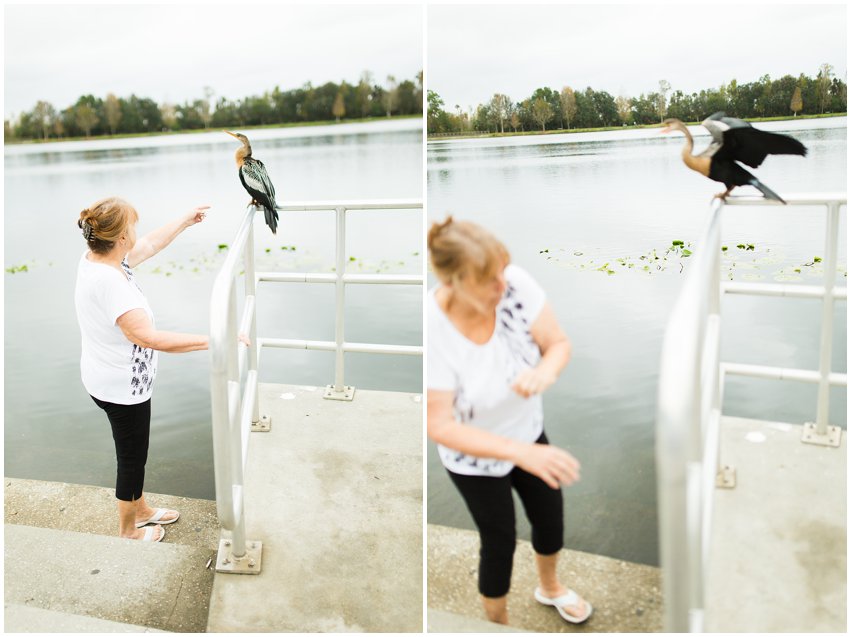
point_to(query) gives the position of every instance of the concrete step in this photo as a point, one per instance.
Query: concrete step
(439, 621)
(626, 597)
(89, 509)
(777, 561)
(334, 493)
(155, 585)
(29, 619)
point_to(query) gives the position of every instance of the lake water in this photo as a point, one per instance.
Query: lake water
(566, 205)
(53, 431)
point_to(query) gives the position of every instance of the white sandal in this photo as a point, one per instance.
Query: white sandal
(157, 518)
(570, 598)
(149, 534)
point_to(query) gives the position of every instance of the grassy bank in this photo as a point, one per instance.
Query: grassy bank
(561, 131)
(207, 130)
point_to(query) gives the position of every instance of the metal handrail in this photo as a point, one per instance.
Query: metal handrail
(233, 388)
(234, 365)
(818, 432)
(691, 386)
(341, 279)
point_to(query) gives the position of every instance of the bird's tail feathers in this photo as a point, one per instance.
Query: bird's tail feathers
(271, 218)
(765, 190)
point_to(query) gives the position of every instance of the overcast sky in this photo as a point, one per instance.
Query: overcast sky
(476, 51)
(170, 53)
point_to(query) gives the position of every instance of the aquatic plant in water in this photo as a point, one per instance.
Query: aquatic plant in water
(745, 260)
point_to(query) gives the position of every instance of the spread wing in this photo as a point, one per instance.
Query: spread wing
(742, 142)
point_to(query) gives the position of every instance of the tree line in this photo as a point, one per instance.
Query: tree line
(548, 109)
(92, 116)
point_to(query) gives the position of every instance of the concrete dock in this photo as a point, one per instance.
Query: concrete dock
(626, 597)
(333, 491)
(777, 561)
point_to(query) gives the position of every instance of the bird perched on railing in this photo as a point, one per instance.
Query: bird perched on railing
(253, 175)
(734, 140)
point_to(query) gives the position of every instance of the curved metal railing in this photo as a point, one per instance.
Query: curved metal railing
(234, 365)
(233, 393)
(691, 386)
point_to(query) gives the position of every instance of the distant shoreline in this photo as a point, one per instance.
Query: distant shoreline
(561, 131)
(331, 122)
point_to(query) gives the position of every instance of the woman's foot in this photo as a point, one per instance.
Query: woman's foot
(569, 604)
(150, 515)
(149, 534)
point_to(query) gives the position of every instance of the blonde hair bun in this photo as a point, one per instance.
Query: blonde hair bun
(461, 249)
(105, 221)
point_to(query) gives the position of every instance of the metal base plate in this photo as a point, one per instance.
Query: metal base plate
(249, 563)
(832, 438)
(348, 393)
(726, 477)
(265, 424)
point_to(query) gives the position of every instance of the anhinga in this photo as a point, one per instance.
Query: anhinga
(734, 140)
(253, 175)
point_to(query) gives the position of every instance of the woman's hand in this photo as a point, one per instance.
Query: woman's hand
(196, 215)
(550, 464)
(533, 380)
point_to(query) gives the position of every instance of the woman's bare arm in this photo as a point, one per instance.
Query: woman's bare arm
(156, 240)
(551, 464)
(137, 329)
(555, 354)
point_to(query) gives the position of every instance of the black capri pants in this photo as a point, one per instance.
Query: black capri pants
(492, 507)
(131, 429)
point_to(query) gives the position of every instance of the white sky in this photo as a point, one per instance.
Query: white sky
(171, 52)
(476, 51)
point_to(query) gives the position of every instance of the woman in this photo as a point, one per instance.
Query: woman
(120, 345)
(494, 346)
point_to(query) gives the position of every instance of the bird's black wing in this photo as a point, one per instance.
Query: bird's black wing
(717, 124)
(742, 142)
(256, 181)
(751, 146)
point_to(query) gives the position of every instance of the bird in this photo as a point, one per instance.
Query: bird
(255, 179)
(733, 141)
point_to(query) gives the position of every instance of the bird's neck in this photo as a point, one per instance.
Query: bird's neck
(241, 155)
(699, 164)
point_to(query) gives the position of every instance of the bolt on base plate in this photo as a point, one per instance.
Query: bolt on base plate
(348, 393)
(249, 563)
(831, 438)
(726, 477)
(265, 424)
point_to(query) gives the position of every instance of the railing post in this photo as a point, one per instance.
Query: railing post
(258, 422)
(339, 391)
(725, 475)
(230, 412)
(231, 330)
(820, 432)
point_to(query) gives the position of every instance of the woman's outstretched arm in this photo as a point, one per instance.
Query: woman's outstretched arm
(156, 240)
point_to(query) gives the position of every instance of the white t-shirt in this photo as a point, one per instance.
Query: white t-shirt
(481, 375)
(113, 369)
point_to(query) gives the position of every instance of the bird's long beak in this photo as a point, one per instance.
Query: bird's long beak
(665, 130)
(231, 134)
